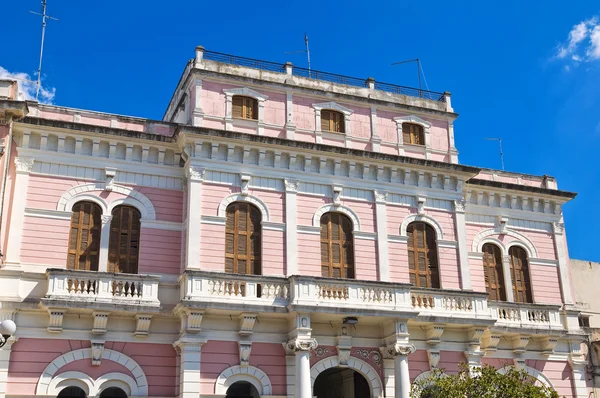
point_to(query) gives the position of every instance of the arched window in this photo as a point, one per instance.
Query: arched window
(113, 392)
(494, 276)
(124, 244)
(519, 271)
(413, 134)
(244, 107)
(332, 121)
(72, 392)
(243, 239)
(337, 246)
(422, 255)
(84, 237)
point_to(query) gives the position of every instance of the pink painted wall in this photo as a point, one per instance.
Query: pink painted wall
(398, 260)
(477, 274)
(160, 251)
(370, 355)
(30, 357)
(365, 259)
(52, 235)
(220, 355)
(419, 363)
(449, 269)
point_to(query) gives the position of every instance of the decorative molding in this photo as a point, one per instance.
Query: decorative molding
(459, 205)
(412, 119)
(24, 164)
(247, 322)
(558, 228)
(434, 333)
(519, 343)
(250, 374)
(522, 240)
(434, 358)
(338, 209)
(421, 201)
(245, 183)
(374, 355)
(97, 349)
(195, 173)
(396, 349)
(106, 218)
(301, 344)
(539, 376)
(214, 220)
(248, 92)
(45, 213)
(100, 322)
(380, 196)
(56, 320)
(236, 197)
(109, 176)
(333, 106)
(548, 345)
(142, 328)
(490, 341)
(337, 195)
(319, 352)
(245, 348)
(475, 334)
(291, 185)
(424, 218)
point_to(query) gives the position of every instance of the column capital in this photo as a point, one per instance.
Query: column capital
(398, 349)
(558, 228)
(380, 196)
(291, 185)
(459, 205)
(301, 344)
(24, 164)
(195, 173)
(189, 344)
(106, 218)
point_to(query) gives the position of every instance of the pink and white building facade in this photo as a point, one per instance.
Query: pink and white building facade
(280, 233)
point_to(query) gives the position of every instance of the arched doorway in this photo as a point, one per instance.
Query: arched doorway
(113, 392)
(242, 389)
(72, 392)
(338, 382)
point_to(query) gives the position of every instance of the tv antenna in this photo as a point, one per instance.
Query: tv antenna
(44, 18)
(501, 153)
(419, 73)
(306, 50)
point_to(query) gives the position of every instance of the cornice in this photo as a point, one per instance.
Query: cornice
(522, 188)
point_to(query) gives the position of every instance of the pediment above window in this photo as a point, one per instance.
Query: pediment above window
(412, 119)
(248, 92)
(333, 105)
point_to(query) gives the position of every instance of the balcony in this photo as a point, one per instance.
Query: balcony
(526, 316)
(102, 290)
(450, 303)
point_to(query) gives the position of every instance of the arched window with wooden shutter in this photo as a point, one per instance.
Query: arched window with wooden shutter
(494, 275)
(332, 121)
(413, 134)
(84, 237)
(124, 244)
(423, 265)
(243, 246)
(337, 246)
(244, 107)
(519, 271)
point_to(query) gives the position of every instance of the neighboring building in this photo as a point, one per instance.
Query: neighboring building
(280, 233)
(585, 276)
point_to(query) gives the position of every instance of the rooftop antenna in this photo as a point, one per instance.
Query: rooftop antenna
(419, 72)
(501, 153)
(307, 51)
(44, 18)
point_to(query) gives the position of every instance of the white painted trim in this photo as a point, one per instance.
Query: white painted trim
(238, 197)
(424, 218)
(523, 241)
(164, 225)
(447, 244)
(245, 91)
(45, 213)
(333, 106)
(426, 132)
(139, 386)
(120, 380)
(273, 226)
(542, 378)
(337, 209)
(17, 217)
(251, 374)
(365, 235)
(397, 238)
(360, 366)
(134, 198)
(71, 379)
(213, 220)
(309, 230)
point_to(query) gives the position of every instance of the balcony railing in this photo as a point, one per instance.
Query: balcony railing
(526, 315)
(87, 287)
(450, 303)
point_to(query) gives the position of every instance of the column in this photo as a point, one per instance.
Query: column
(17, 218)
(291, 227)
(302, 348)
(400, 353)
(508, 288)
(195, 176)
(104, 242)
(189, 367)
(561, 254)
(463, 250)
(382, 241)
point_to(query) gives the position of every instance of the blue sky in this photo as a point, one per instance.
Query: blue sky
(525, 71)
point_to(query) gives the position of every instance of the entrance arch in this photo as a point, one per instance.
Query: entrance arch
(242, 389)
(362, 368)
(341, 382)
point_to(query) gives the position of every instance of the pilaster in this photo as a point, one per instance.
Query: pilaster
(197, 112)
(104, 242)
(4, 362)
(195, 177)
(563, 266)
(382, 241)
(23, 167)
(291, 227)
(190, 355)
(463, 252)
(290, 127)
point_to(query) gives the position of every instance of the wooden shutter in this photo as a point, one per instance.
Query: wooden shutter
(337, 246)
(332, 121)
(519, 270)
(243, 239)
(423, 262)
(494, 276)
(244, 107)
(84, 237)
(325, 121)
(124, 244)
(413, 134)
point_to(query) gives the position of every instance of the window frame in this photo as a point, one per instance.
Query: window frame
(347, 270)
(412, 134)
(341, 122)
(249, 234)
(498, 269)
(115, 244)
(526, 289)
(428, 251)
(246, 100)
(95, 221)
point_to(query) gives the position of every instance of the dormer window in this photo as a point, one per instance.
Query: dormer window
(244, 107)
(413, 134)
(332, 121)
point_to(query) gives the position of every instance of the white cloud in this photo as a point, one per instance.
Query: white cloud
(583, 43)
(28, 87)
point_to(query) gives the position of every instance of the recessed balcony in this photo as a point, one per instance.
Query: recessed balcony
(526, 315)
(102, 290)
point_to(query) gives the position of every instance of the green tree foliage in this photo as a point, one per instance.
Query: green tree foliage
(486, 382)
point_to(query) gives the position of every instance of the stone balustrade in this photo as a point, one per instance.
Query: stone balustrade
(72, 288)
(451, 303)
(526, 315)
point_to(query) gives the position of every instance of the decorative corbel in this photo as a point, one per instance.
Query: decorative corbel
(434, 358)
(100, 321)
(337, 193)
(344, 346)
(434, 333)
(191, 321)
(245, 348)
(97, 350)
(245, 181)
(109, 175)
(549, 345)
(247, 322)
(142, 328)
(490, 342)
(502, 223)
(421, 204)
(56, 320)
(519, 342)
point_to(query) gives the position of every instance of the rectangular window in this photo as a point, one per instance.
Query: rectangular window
(244, 108)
